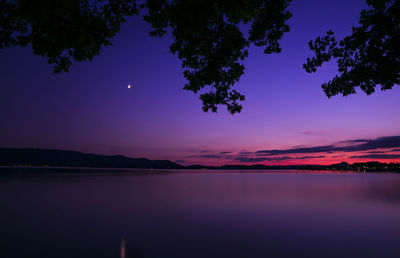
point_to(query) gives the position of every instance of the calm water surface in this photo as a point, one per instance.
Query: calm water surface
(77, 213)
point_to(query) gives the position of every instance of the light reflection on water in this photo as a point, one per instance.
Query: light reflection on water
(191, 214)
(122, 248)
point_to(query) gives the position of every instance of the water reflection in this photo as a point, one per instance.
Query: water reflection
(200, 215)
(122, 248)
(384, 191)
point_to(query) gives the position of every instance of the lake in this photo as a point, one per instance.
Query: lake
(148, 213)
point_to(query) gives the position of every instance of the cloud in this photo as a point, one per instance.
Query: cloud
(259, 159)
(207, 156)
(378, 148)
(377, 156)
(204, 151)
(377, 152)
(305, 132)
(310, 157)
(356, 141)
(337, 156)
(245, 152)
(211, 156)
(381, 142)
(311, 132)
(296, 150)
(247, 159)
(361, 145)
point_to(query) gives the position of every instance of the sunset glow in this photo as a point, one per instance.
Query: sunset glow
(286, 118)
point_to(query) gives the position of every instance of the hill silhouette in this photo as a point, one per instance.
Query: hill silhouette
(63, 158)
(48, 157)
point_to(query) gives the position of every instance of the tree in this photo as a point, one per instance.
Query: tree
(62, 30)
(370, 56)
(207, 34)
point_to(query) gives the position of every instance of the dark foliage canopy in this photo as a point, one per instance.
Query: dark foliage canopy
(64, 30)
(207, 34)
(370, 56)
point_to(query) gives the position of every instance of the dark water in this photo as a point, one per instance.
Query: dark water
(195, 214)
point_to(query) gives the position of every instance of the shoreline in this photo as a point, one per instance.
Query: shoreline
(208, 169)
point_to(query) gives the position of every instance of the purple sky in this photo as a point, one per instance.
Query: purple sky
(90, 108)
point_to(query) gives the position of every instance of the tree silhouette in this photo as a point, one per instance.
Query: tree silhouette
(62, 30)
(370, 56)
(206, 33)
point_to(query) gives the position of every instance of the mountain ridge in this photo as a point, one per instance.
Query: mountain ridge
(67, 158)
(55, 157)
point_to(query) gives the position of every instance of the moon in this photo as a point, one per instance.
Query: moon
(129, 86)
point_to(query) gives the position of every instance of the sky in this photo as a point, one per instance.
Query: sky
(286, 118)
